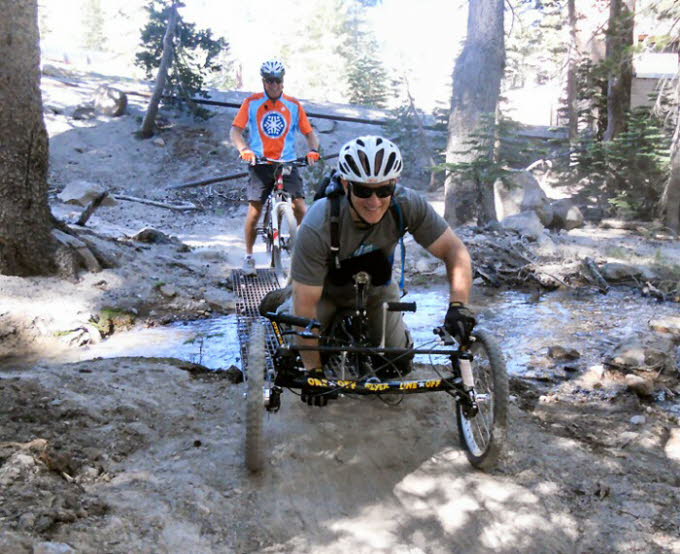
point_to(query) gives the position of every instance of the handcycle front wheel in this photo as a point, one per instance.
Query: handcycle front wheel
(254, 440)
(282, 247)
(483, 435)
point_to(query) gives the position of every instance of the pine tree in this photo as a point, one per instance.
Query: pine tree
(367, 81)
(93, 22)
(195, 51)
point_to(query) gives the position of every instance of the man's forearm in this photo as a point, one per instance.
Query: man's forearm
(312, 141)
(304, 305)
(459, 274)
(237, 139)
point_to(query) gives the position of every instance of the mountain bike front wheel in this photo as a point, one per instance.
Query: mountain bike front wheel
(483, 435)
(254, 443)
(282, 248)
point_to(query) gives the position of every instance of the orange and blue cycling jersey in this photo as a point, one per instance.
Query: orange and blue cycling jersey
(272, 125)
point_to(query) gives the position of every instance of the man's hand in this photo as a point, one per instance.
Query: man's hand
(313, 156)
(459, 322)
(247, 155)
(314, 396)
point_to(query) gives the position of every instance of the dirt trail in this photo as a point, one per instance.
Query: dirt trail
(143, 456)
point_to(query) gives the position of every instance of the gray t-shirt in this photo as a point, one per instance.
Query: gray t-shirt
(312, 254)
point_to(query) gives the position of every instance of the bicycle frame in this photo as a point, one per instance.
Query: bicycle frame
(271, 219)
(353, 353)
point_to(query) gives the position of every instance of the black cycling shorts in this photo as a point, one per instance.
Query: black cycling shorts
(261, 183)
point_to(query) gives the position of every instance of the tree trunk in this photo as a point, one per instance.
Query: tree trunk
(620, 39)
(476, 86)
(670, 201)
(26, 244)
(572, 58)
(149, 122)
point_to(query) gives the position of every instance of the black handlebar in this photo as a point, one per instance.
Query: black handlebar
(401, 306)
(297, 162)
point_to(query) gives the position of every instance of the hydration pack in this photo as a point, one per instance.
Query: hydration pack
(330, 187)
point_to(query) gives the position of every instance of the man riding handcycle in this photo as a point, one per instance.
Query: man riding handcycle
(342, 330)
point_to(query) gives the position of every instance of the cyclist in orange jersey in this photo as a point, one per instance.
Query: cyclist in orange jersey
(273, 120)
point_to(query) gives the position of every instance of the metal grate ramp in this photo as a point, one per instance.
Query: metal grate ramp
(250, 291)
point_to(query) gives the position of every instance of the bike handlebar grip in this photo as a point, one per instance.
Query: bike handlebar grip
(401, 306)
(294, 320)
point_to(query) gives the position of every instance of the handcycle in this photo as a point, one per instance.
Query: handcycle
(475, 376)
(279, 225)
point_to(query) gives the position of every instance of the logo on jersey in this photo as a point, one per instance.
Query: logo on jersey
(274, 125)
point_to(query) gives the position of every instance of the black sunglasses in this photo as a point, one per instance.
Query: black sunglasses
(362, 191)
(273, 80)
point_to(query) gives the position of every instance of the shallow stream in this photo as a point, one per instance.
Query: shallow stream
(524, 324)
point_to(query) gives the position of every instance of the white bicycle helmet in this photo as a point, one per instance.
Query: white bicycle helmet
(272, 69)
(370, 159)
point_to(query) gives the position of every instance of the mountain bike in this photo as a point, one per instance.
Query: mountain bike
(475, 376)
(279, 225)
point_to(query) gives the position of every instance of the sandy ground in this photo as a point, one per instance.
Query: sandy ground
(146, 455)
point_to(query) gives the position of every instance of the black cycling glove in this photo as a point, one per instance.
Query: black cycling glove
(459, 322)
(313, 396)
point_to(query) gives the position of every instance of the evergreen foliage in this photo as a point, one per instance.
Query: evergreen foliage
(536, 46)
(632, 168)
(487, 161)
(195, 52)
(367, 80)
(93, 21)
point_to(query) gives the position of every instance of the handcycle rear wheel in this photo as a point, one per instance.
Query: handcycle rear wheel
(282, 247)
(483, 435)
(254, 443)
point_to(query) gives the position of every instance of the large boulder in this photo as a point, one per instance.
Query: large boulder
(82, 192)
(519, 191)
(110, 101)
(566, 215)
(526, 224)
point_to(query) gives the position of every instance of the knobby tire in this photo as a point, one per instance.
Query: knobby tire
(255, 399)
(483, 436)
(287, 233)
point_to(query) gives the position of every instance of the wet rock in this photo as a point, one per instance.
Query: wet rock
(168, 291)
(668, 326)
(638, 420)
(112, 319)
(639, 385)
(560, 353)
(644, 353)
(220, 301)
(52, 548)
(153, 236)
(234, 374)
(527, 224)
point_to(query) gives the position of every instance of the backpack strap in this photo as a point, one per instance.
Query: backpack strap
(335, 229)
(398, 215)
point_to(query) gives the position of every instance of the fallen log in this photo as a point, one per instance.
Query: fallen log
(167, 206)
